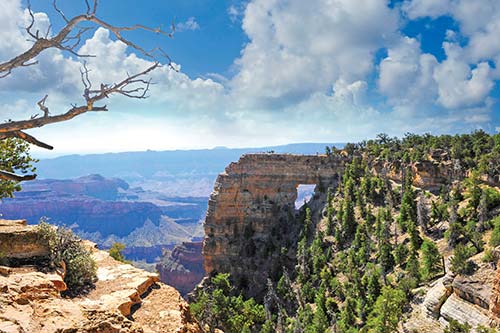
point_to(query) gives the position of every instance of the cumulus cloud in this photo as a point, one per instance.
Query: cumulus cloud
(458, 85)
(420, 8)
(297, 48)
(479, 22)
(406, 75)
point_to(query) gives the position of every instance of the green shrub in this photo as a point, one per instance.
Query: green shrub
(495, 235)
(217, 307)
(115, 252)
(460, 262)
(66, 247)
(456, 327)
(488, 256)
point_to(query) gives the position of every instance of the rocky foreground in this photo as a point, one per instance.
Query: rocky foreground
(125, 299)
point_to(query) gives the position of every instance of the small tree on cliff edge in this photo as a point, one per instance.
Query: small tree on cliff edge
(15, 161)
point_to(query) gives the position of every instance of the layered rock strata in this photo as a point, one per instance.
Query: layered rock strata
(20, 242)
(182, 267)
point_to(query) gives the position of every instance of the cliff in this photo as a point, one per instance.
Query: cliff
(250, 226)
(251, 230)
(125, 299)
(182, 267)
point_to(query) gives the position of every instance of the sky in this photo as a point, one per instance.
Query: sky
(264, 72)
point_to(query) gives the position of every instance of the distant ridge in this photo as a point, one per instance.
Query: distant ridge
(150, 164)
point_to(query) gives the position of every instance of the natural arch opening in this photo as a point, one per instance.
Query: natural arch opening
(304, 194)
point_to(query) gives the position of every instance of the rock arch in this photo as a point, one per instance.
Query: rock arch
(249, 220)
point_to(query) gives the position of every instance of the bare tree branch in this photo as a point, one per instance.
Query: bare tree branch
(26, 137)
(91, 97)
(68, 39)
(67, 42)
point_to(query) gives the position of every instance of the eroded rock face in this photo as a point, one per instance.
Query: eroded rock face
(182, 267)
(125, 299)
(250, 223)
(20, 242)
(495, 294)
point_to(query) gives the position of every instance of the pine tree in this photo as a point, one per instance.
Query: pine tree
(386, 258)
(348, 220)
(387, 311)
(431, 260)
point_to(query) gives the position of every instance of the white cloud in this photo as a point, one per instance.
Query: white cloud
(459, 86)
(189, 25)
(234, 13)
(305, 75)
(420, 8)
(297, 48)
(406, 76)
(479, 21)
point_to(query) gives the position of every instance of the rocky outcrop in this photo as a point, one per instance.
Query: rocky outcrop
(428, 174)
(435, 297)
(495, 294)
(249, 227)
(182, 267)
(125, 299)
(20, 242)
(473, 290)
(458, 309)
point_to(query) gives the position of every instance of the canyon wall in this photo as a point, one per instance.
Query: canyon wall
(250, 227)
(182, 268)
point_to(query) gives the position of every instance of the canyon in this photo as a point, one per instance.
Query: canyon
(251, 227)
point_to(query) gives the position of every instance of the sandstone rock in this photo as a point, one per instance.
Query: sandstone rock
(182, 267)
(5, 271)
(495, 295)
(435, 298)
(20, 242)
(252, 209)
(458, 309)
(30, 301)
(473, 290)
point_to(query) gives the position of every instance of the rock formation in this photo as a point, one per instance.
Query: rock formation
(182, 268)
(20, 242)
(249, 227)
(125, 299)
(495, 294)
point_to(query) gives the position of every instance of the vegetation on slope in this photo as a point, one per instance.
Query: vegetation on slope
(357, 268)
(68, 252)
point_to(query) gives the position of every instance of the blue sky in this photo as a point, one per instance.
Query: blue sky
(266, 72)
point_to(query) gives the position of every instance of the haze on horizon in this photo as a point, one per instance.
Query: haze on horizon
(266, 72)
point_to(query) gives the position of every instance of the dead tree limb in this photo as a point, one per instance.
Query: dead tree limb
(67, 40)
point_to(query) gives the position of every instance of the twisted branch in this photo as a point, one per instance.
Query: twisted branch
(68, 39)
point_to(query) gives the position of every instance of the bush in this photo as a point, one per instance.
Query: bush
(67, 249)
(456, 327)
(460, 262)
(495, 235)
(115, 252)
(488, 256)
(217, 307)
